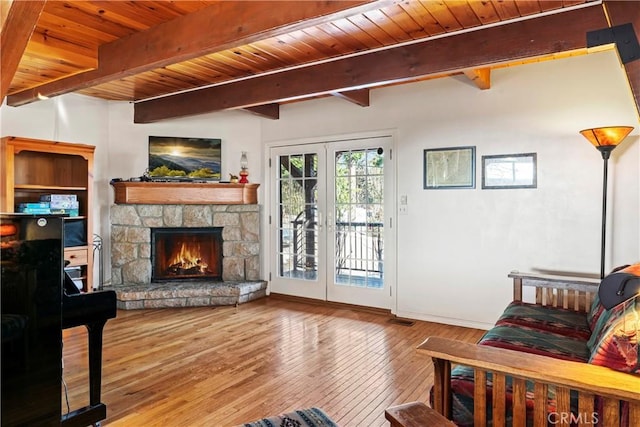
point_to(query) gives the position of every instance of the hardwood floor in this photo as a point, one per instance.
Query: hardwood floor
(224, 366)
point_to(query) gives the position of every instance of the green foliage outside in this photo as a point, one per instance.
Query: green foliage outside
(359, 185)
(295, 180)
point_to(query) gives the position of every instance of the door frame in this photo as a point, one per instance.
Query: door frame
(295, 286)
(391, 274)
(351, 294)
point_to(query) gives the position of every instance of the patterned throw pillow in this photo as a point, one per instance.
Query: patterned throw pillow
(603, 323)
(617, 347)
(594, 314)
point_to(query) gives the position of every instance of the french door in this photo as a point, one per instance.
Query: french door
(331, 221)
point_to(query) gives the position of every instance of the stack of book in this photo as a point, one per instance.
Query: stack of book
(38, 208)
(66, 204)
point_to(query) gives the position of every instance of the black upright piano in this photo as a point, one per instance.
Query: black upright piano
(38, 301)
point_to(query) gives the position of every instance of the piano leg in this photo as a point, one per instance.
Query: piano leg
(95, 411)
(95, 360)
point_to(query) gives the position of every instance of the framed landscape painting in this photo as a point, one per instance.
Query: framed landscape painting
(509, 171)
(449, 168)
(178, 158)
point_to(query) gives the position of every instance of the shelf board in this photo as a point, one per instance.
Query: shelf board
(173, 193)
(75, 248)
(35, 187)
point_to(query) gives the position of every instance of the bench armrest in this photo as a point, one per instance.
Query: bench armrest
(588, 380)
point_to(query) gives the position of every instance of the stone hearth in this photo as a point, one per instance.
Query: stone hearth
(189, 294)
(131, 255)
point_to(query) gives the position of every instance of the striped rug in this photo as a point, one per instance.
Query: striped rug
(312, 417)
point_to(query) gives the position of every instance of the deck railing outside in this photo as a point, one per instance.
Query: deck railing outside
(359, 246)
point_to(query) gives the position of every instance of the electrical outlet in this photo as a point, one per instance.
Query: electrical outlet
(403, 210)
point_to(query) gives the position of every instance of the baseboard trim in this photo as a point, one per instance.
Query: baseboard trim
(353, 307)
(446, 320)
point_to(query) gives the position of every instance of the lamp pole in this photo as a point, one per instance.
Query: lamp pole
(605, 150)
(605, 139)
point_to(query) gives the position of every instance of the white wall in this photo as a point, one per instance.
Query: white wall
(121, 145)
(455, 247)
(238, 130)
(128, 148)
(70, 118)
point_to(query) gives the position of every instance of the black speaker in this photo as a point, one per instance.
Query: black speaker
(622, 35)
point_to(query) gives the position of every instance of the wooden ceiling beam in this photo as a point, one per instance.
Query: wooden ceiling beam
(197, 34)
(268, 111)
(481, 77)
(477, 49)
(358, 96)
(16, 30)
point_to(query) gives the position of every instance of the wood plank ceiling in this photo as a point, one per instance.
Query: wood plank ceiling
(177, 58)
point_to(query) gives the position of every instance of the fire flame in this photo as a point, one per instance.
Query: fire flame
(188, 257)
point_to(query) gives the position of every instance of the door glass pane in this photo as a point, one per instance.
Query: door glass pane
(359, 218)
(298, 221)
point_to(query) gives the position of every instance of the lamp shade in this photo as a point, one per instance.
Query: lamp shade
(244, 163)
(606, 136)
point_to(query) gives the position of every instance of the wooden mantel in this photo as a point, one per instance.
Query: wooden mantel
(184, 193)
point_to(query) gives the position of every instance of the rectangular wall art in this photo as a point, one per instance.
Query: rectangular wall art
(509, 171)
(177, 158)
(448, 168)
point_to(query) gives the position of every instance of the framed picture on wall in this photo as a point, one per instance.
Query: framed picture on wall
(449, 168)
(509, 171)
(181, 158)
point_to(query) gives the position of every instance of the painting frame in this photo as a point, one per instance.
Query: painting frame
(449, 168)
(510, 171)
(184, 158)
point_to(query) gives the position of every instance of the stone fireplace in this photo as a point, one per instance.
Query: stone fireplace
(132, 276)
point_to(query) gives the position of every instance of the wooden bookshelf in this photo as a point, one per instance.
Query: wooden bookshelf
(33, 167)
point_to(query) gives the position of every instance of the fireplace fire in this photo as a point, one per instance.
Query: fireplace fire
(186, 254)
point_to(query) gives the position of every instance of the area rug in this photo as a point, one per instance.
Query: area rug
(312, 417)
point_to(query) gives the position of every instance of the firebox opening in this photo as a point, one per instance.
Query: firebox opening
(186, 254)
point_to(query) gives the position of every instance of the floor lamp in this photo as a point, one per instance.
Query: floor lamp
(605, 139)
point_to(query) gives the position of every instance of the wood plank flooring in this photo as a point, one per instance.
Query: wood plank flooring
(224, 366)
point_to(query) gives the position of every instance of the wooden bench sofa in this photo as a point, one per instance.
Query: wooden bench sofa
(510, 379)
